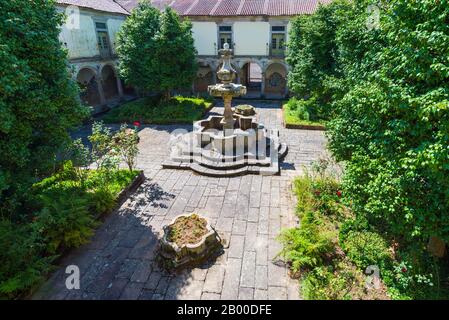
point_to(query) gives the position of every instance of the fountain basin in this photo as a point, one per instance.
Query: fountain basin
(227, 89)
(247, 137)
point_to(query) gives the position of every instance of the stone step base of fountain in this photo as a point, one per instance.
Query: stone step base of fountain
(267, 166)
(222, 165)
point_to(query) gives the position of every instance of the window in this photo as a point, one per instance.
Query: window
(225, 36)
(278, 36)
(103, 39)
(101, 25)
(103, 42)
(278, 28)
(225, 29)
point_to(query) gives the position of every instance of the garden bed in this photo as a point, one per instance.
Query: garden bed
(291, 121)
(187, 230)
(150, 110)
(65, 213)
(330, 261)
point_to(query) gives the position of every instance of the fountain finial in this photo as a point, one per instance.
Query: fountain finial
(227, 90)
(226, 74)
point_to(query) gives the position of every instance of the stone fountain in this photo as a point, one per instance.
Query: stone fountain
(228, 145)
(226, 89)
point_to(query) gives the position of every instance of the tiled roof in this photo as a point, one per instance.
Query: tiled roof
(100, 5)
(209, 7)
(241, 7)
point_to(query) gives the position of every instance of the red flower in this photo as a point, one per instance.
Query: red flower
(404, 269)
(339, 193)
(136, 123)
(317, 192)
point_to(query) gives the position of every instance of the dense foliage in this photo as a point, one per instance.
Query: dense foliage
(156, 50)
(392, 125)
(151, 110)
(331, 265)
(38, 100)
(299, 112)
(63, 209)
(389, 126)
(313, 57)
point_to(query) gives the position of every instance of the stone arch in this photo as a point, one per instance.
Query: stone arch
(275, 77)
(251, 75)
(110, 81)
(87, 79)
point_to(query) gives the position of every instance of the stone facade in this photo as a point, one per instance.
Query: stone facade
(90, 38)
(256, 31)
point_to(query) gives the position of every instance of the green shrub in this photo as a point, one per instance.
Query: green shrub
(307, 246)
(313, 56)
(22, 263)
(321, 194)
(304, 112)
(329, 283)
(388, 90)
(298, 108)
(64, 212)
(391, 126)
(152, 110)
(366, 248)
(64, 222)
(125, 142)
(38, 98)
(101, 201)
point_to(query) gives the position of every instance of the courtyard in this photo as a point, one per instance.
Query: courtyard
(248, 212)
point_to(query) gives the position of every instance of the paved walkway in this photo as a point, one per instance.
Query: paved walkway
(248, 211)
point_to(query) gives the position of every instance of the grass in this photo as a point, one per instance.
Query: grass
(151, 110)
(291, 118)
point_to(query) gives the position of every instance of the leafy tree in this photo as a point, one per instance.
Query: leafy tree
(156, 50)
(175, 53)
(126, 142)
(38, 100)
(313, 57)
(392, 126)
(389, 125)
(136, 46)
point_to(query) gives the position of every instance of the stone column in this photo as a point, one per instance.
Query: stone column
(214, 77)
(119, 87)
(262, 86)
(228, 120)
(100, 90)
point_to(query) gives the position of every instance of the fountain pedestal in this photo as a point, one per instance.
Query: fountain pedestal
(228, 117)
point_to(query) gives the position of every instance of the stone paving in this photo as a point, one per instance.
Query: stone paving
(248, 212)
